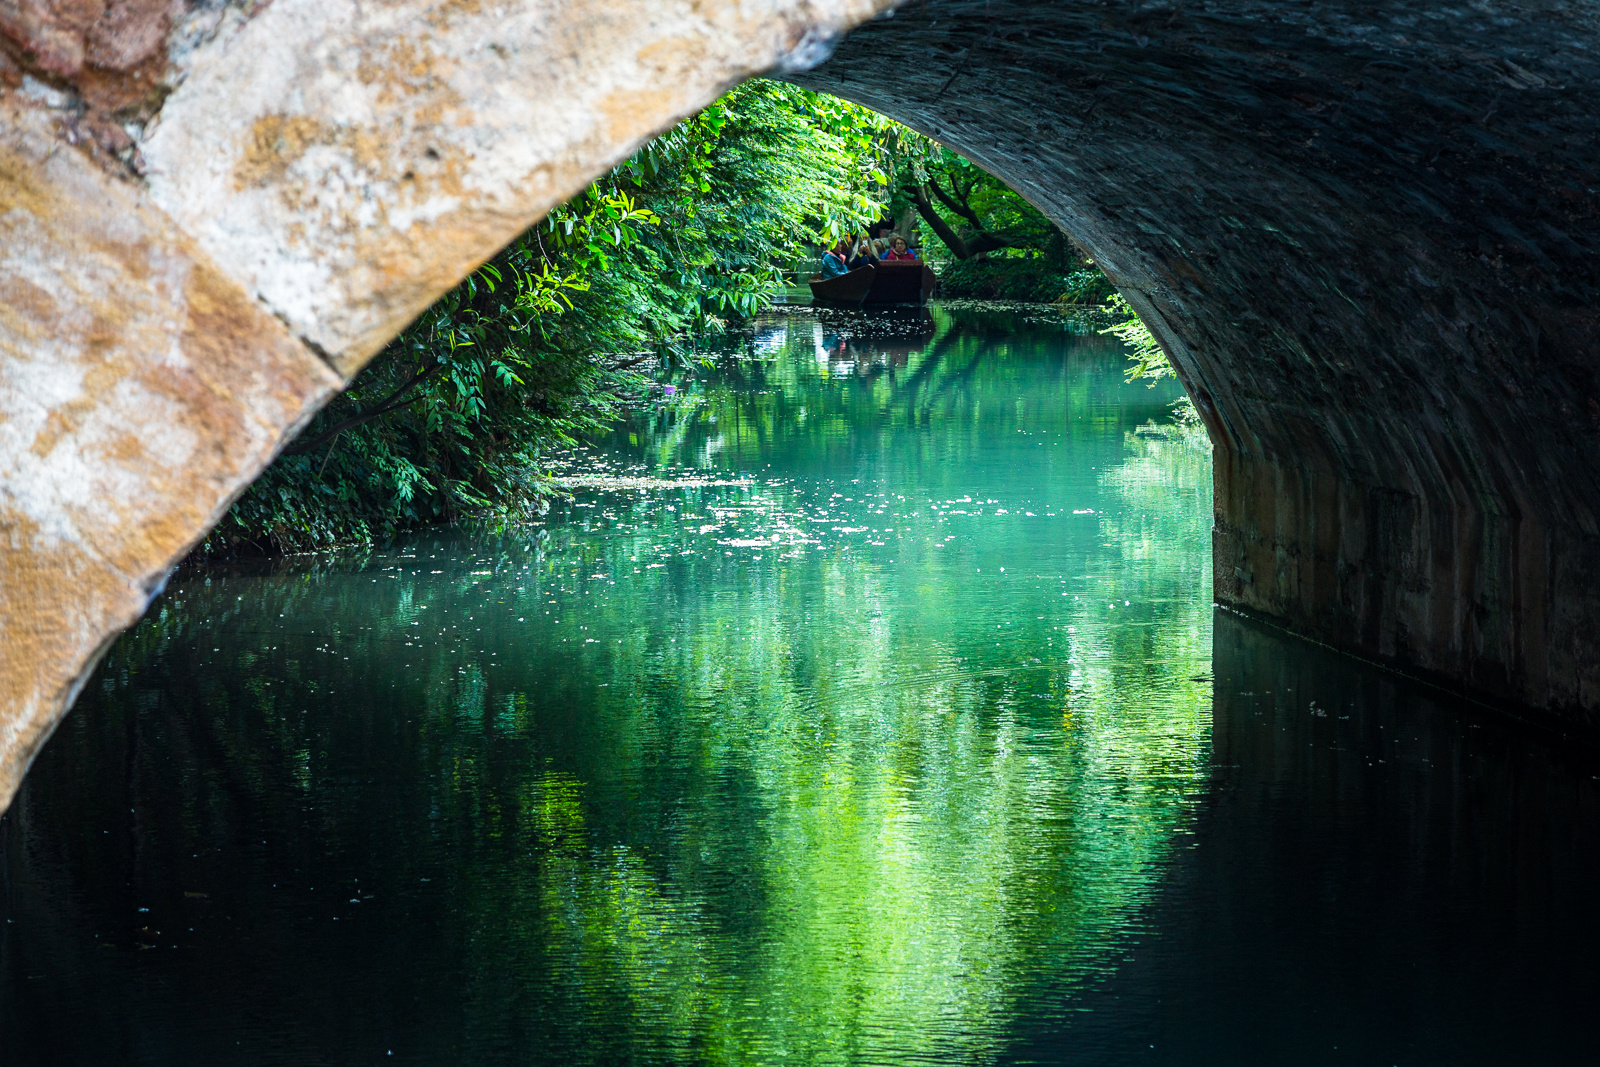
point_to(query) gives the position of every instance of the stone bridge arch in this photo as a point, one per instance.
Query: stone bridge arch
(1366, 234)
(1369, 238)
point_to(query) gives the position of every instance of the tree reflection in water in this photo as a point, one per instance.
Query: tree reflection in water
(859, 693)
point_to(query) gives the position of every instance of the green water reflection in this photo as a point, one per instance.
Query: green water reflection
(858, 694)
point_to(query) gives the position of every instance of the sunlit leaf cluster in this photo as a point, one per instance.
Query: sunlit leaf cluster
(1149, 360)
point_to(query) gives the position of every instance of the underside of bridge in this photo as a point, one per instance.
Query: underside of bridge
(1368, 235)
(1369, 238)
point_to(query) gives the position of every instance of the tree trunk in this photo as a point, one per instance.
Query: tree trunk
(952, 240)
(963, 248)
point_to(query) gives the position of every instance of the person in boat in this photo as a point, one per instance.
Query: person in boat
(863, 253)
(835, 261)
(900, 251)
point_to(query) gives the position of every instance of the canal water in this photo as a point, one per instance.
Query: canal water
(864, 705)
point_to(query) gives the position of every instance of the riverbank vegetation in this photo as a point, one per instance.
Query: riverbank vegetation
(541, 345)
(544, 345)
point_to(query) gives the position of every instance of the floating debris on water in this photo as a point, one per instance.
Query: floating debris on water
(612, 481)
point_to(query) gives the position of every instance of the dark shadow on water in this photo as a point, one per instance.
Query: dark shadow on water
(1379, 874)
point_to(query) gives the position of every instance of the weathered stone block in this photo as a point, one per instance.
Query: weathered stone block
(371, 156)
(140, 390)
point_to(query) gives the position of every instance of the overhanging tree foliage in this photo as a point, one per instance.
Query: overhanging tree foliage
(538, 347)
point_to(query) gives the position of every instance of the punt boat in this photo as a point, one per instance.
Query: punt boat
(889, 282)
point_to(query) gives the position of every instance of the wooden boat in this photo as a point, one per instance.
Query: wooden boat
(902, 282)
(849, 288)
(890, 282)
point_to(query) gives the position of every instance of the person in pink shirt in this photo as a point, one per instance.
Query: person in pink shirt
(900, 251)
